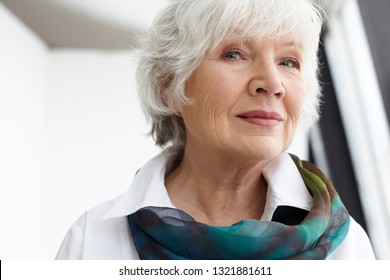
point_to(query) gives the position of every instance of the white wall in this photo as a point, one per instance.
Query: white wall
(23, 61)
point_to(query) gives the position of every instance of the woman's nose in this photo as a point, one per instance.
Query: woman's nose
(267, 80)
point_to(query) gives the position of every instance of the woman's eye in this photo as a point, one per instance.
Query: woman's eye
(232, 55)
(291, 63)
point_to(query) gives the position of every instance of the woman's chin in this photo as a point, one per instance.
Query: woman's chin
(260, 152)
(265, 149)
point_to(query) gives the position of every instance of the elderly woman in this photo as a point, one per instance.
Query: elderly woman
(226, 84)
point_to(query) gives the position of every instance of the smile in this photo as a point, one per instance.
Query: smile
(261, 118)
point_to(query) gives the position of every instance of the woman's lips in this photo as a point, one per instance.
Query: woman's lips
(261, 118)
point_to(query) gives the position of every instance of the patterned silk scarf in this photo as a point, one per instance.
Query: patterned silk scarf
(166, 233)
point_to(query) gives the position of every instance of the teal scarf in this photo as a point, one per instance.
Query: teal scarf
(166, 233)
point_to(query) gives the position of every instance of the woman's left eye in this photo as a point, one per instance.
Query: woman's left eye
(291, 63)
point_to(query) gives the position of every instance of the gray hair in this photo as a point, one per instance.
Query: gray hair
(185, 30)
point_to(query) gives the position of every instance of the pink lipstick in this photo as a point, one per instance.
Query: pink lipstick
(261, 118)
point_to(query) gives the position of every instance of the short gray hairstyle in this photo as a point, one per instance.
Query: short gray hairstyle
(185, 30)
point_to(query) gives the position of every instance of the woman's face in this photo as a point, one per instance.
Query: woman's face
(247, 98)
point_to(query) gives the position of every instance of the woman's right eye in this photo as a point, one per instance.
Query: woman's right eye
(232, 55)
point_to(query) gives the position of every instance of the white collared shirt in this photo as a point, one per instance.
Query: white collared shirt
(103, 232)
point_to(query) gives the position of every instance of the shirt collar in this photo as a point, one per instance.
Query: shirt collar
(285, 187)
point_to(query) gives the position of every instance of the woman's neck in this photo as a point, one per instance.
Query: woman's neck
(216, 189)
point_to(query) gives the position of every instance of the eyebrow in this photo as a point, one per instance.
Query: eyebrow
(237, 41)
(293, 44)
